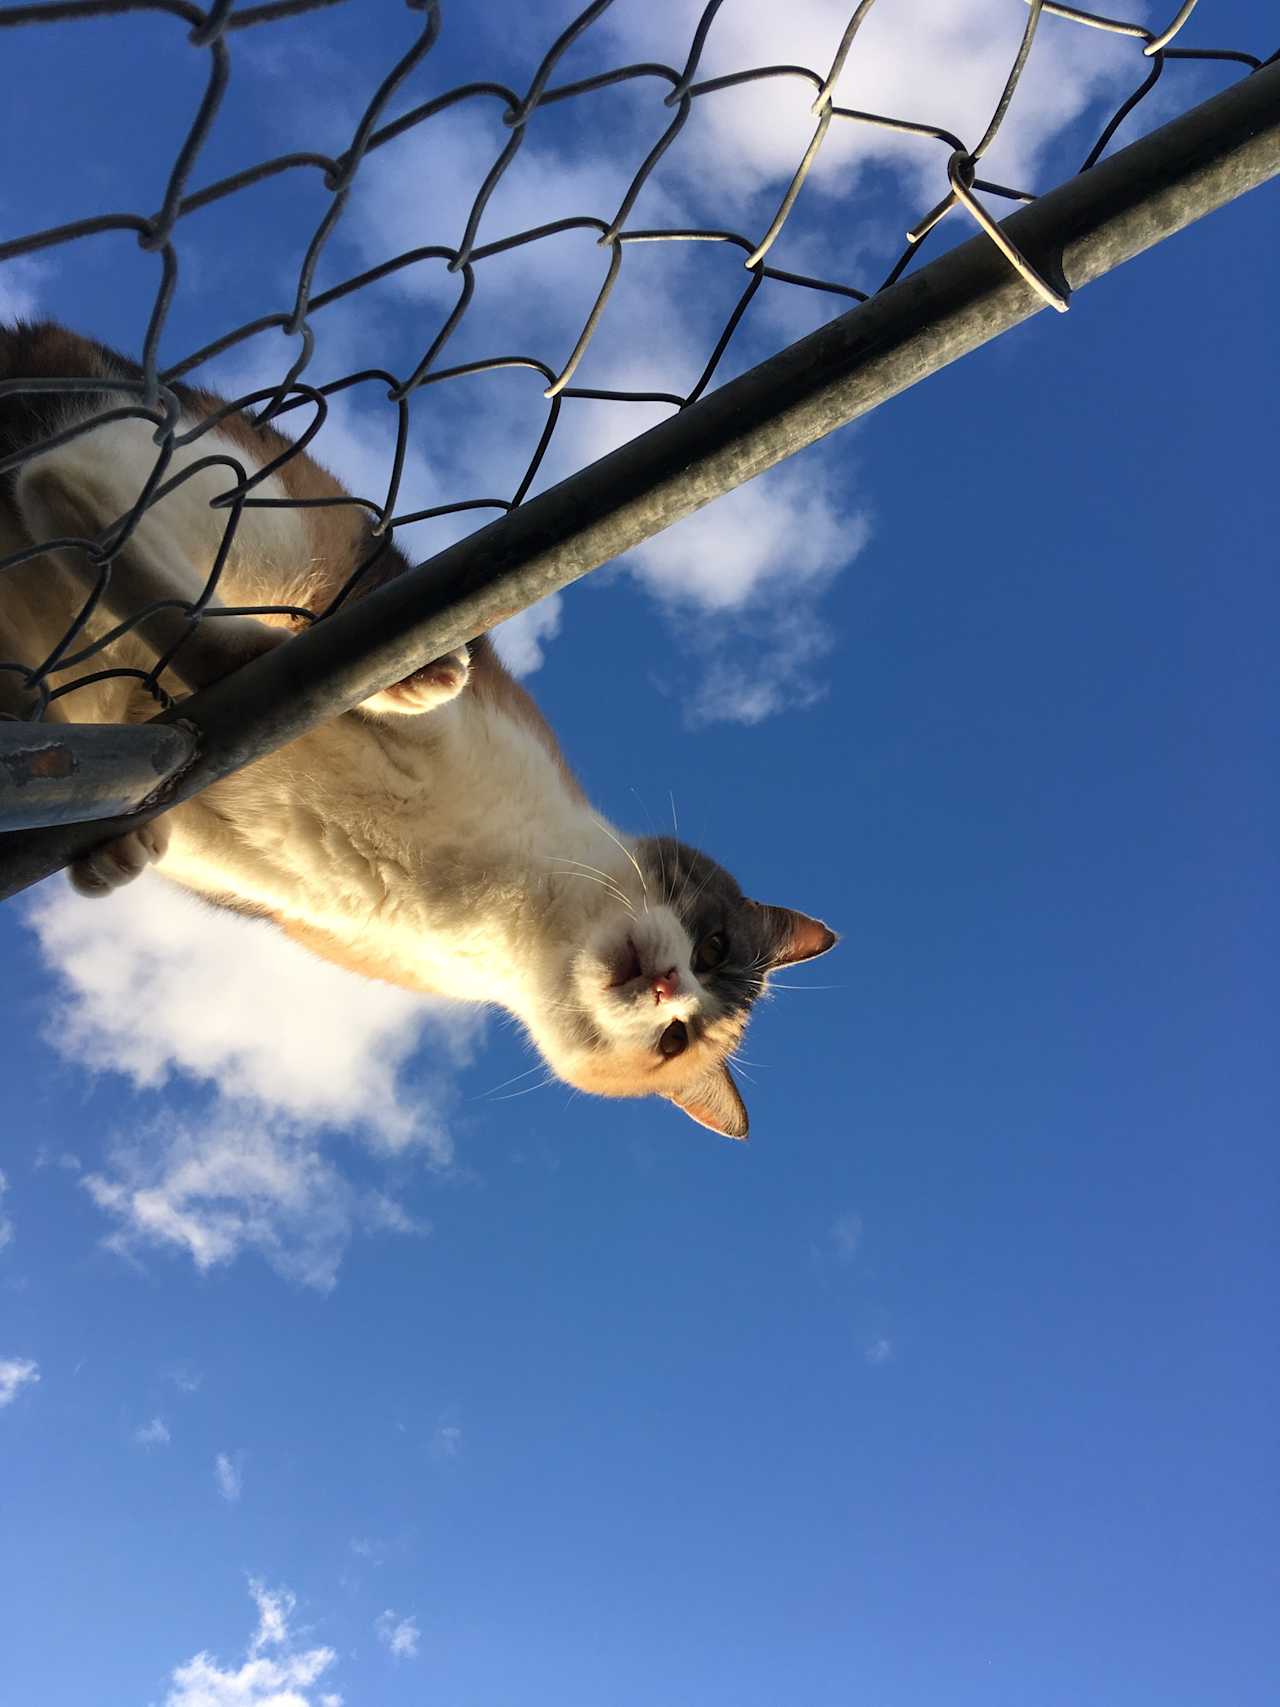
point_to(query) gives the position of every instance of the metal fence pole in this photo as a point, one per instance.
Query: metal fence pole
(50, 772)
(931, 317)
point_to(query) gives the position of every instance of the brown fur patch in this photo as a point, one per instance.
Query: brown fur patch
(352, 957)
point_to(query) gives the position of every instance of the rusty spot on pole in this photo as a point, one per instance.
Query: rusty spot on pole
(39, 764)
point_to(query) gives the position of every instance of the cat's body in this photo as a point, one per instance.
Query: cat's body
(435, 837)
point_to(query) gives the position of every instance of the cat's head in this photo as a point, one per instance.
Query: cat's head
(659, 993)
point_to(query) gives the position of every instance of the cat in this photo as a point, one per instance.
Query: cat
(435, 837)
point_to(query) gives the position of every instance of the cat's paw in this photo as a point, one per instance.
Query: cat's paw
(116, 863)
(434, 685)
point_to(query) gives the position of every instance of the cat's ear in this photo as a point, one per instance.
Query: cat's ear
(714, 1101)
(794, 936)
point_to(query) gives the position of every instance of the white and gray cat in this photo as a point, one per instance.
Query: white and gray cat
(435, 837)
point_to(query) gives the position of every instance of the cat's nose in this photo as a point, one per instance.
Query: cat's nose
(665, 985)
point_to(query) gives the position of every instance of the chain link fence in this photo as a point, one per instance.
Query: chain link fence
(912, 317)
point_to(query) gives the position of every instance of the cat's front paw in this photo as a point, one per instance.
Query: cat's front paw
(435, 684)
(120, 861)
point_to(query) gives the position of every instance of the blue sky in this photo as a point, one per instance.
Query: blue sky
(955, 1383)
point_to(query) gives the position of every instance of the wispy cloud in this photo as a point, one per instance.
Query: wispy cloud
(15, 1374)
(878, 1350)
(400, 1635)
(6, 1225)
(228, 1473)
(846, 1236)
(742, 580)
(223, 1187)
(22, 283)
(153, 1433)
(273, 1673)
(45, 1157)
(522, 640)
(186, 1377)
(446, 1442)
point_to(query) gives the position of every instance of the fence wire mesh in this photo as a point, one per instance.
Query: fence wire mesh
(670, 94)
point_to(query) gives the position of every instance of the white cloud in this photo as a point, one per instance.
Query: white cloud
(549, 284)
(274, 1613)
(938, 65)
(186, 1378)
(66, 1160)
(284, 1676)
(160, 984)
(15, 1374)
(846, 1236)
(233, 1185)
(777, 671)
(6, 1225)
(879, 1350)
(522, 640)
(741, 578)
(21, 286)
(446, 1442)
(164, 990)
(229, 1474)
(401, 1635)
(779, 537)
(153, 1433)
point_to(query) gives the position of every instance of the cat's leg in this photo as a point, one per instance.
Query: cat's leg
(118, 862)
(427, 689)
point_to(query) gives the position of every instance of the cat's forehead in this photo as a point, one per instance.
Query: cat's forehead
(708, 899)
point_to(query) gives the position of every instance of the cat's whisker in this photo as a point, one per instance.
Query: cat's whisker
(606, 831)
(777, 984)
(540, 1086)
(699, 889)
(649, 815)
(605, 884)
(514, 1079)
(664, 890)
(595, 871)
(561, 859)
(688, 877)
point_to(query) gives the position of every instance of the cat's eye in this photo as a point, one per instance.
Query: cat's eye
(711, 952)
(674, 1040)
